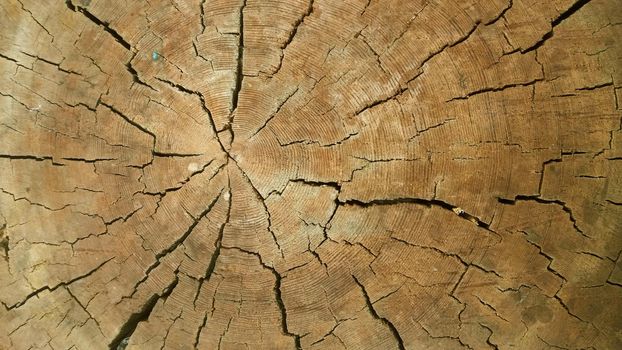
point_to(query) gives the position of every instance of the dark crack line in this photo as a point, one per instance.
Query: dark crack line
(541, 182)
(431, 127)
(117, 37)
(57, 66)
(455, 287)
(538, 199)
(173, 155)
(34, 92)
(365, 8)
(495, 89)
(406, 28)
(595, 87)
(277, 295)
(12, 60)
(491, 308)
(488, 341)
(173, 246)
(135, 78)
(278, 109)
(442, 252)
(51, 289)
(384, 100)
(199, 330)
(202, 13)
(426, 202)
(374, 314)
(214, 259)
(557, 21)
(501, 14)
(279, 301)
(263, 203)
(203, 106)
(34, 19)
(120, 341)
(548, 257)
(553, 346)
(180, 184)
(457, 339)
(572, 10)
(405, 87)
(372, 50)
(292, 34)
(240, 64)
(565, 307)
(4, 242)
(28, 108)
(15, 199)
(105, 25)
(28, 156)
(466, 264)
(131, 122)
(85, 309)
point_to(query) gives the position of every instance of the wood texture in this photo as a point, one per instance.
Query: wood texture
(310, 174)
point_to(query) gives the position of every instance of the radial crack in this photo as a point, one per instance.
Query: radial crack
(374, 314)
(400, 90)
(173, 246)
(120, 341)
(217, 246)
(131, 122)
(277, 295)
(263, 203)
(51, 289)
(207, 111)
(105, 25)
(278, 109)
(292, 34)
(240, 65)
(557, 21)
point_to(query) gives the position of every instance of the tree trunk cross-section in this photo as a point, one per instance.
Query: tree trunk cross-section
(310, 174)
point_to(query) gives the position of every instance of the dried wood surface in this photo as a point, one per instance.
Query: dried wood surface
(310, 174)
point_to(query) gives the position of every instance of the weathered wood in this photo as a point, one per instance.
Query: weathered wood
(311, 174)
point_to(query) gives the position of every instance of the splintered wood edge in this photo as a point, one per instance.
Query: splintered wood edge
(328, 174)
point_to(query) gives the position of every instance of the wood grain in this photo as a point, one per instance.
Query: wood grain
(310, 174)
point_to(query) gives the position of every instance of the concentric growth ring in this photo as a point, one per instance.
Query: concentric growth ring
(286, 174)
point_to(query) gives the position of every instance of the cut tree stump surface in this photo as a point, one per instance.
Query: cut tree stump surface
(286, 174)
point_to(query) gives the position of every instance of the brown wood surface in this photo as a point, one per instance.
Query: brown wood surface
(310, 174)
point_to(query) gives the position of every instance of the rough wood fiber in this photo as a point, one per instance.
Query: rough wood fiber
(360, 174)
